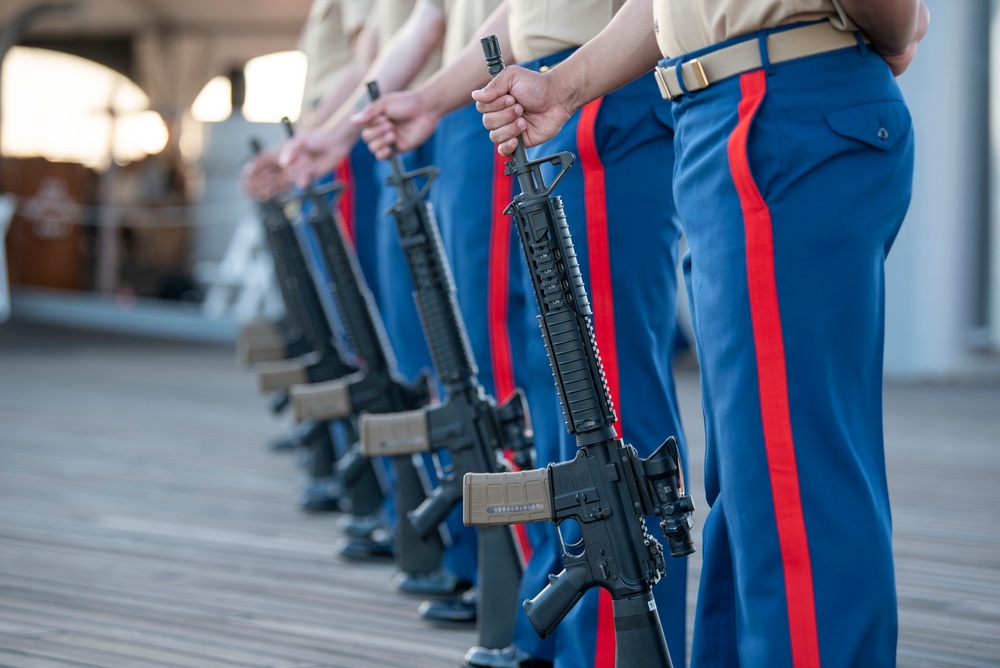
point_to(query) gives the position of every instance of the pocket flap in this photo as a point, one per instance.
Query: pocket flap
(878, 124)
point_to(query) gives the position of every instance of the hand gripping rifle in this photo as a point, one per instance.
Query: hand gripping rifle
(301, 296)
(377, 388)
(468, 424)
(606, 488)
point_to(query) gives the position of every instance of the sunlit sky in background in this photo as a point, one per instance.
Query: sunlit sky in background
(57, 106)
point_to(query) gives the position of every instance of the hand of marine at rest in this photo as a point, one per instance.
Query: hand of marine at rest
(900, 62)
(404, 119)
(312, 153)
(262, 177)
(520, 102)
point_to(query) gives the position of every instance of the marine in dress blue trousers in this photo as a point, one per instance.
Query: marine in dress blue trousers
(402, 324)
(626, 238)
(792, 182)
(490, 278)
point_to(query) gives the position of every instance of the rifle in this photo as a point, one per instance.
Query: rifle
(266, 341)
(303, 305)
(306, 318)
(468, 424)
(377, 388)
(606, 488)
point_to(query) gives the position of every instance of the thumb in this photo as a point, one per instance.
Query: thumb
(495, 89)
(373, 109)
(288, 153)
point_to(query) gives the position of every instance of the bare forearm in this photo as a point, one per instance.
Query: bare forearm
(450, 87)
(396, 66)
(365, 49)
(890, 24)
(622, 52)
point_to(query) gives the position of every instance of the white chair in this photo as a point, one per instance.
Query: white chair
(242, 284)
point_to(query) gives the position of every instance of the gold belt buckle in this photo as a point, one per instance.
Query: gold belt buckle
(661, 81)
(699, 74)
(693, 66)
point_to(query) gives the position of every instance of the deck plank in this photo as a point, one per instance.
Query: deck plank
(143, 522)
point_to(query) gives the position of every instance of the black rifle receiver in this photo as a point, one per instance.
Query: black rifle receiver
(606, 488)
(468, 424)
(377, 388)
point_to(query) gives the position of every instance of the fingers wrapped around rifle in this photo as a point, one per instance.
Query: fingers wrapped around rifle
(379, 134)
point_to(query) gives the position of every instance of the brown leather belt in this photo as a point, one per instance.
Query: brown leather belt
(782, 46)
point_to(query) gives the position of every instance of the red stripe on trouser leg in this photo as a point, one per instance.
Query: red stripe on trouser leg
(345, 204)
(765, 317)
(602, 299)
(499, 283)
(498, 287)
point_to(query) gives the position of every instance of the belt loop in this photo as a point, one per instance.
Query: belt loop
(680, 77)
(765, 59)
(862, 47)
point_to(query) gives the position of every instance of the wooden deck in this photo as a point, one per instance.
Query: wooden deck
(143, 522)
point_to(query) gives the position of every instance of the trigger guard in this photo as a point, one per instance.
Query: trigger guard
(578, 547)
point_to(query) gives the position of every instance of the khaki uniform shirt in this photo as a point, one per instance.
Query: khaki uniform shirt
(326, 41)
(540, 28)
(387, 18)
(464, 19)
(683, 26)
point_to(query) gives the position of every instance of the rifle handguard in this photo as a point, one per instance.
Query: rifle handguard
(506, 498)
(281, 375)
(330, 400)
(387, 434)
